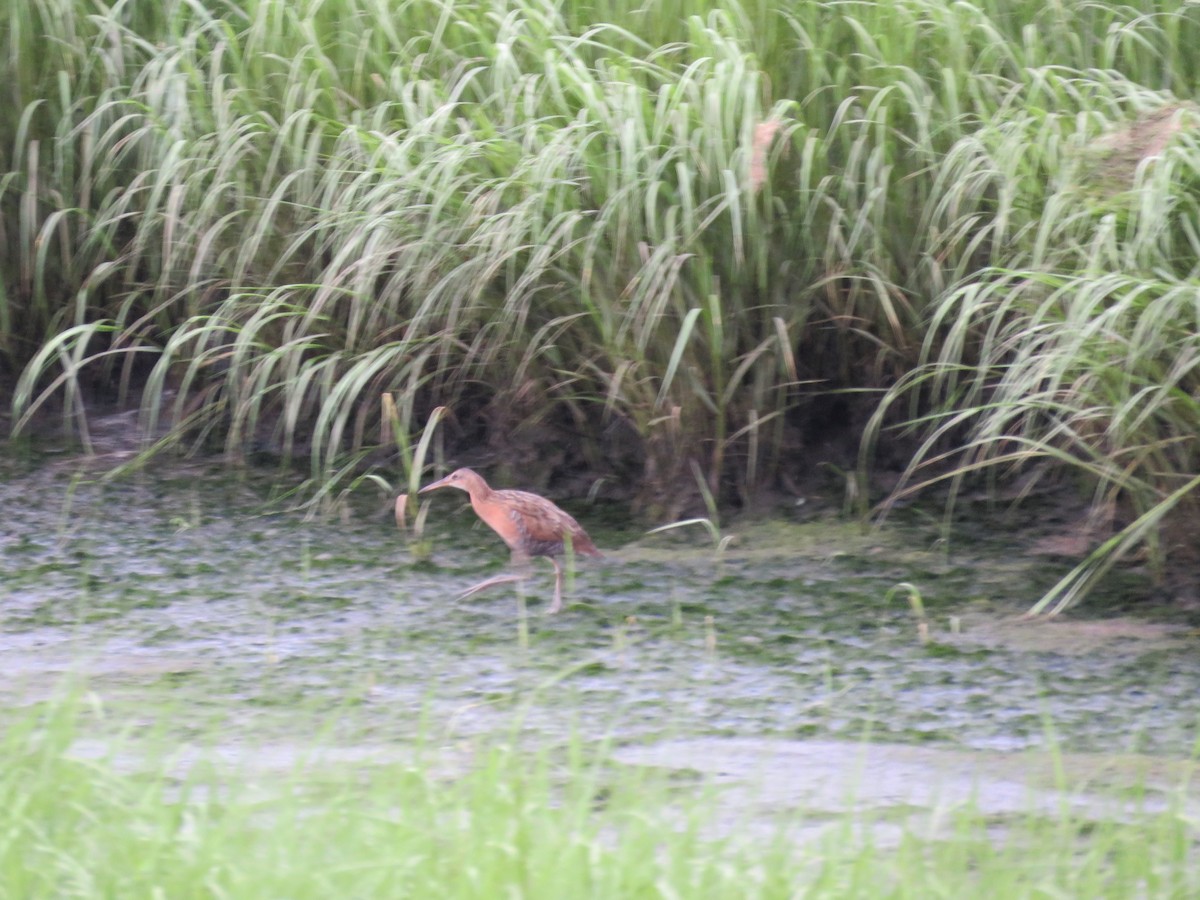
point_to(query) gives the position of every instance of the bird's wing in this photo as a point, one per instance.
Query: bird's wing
(542, 520)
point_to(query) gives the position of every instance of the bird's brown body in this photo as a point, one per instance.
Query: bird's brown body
(529, 524)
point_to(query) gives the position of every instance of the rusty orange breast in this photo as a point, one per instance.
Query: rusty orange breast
(500, 520)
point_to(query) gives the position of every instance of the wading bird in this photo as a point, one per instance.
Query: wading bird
(529, 524)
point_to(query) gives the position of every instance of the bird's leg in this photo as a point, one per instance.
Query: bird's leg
(491, 582)
(523, 562)
(557, 604)
(519, 560)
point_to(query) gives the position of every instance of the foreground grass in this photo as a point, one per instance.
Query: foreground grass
(531, 824)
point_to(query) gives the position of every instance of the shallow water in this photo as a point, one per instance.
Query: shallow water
(185, 592)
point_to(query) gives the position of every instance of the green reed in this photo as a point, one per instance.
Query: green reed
(668, 227)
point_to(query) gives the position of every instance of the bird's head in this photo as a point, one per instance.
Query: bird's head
(463, 479)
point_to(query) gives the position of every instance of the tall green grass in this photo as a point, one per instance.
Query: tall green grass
(652, 233)
(1085, 357)
(146, 822)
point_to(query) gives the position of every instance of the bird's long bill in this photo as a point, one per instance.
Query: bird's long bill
(433, 487)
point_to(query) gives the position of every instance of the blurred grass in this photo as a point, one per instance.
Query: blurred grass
(565, 823)
(637, 238)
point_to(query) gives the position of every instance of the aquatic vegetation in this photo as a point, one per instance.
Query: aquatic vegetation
(916, 603)
(638, 239)
(263, 704)
(1095, 373)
